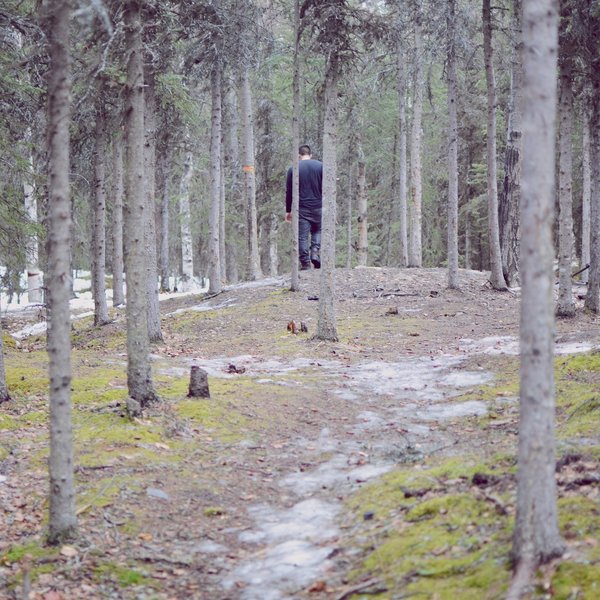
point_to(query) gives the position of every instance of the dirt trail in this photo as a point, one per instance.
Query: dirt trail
(260, 514)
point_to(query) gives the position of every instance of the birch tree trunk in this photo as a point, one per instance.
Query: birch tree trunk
(361, 192)
(402, 164)
(415, 250)
(452, 151)
(496, 274)
(164, 220)
(62, 523)
(4, 395)
(326, 325)
(349, 220)
(99, 220)
(509, 217)
(273, 251)
(536, 536)
(139, 376)
(295, 279)
(185, 217)
(566, 303)
(586, 197)
(592, 300)
(117, 219)
(222, 240)
(214, 261)
(34, 276)
(154, 332)
(254, 271)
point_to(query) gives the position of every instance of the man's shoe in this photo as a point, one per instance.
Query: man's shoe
(304, 267)
(315, 259)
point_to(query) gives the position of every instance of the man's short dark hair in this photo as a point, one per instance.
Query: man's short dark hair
(304, 150)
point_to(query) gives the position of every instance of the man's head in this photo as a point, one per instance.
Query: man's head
(304, 151)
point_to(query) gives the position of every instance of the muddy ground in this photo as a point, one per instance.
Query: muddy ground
(256, 493)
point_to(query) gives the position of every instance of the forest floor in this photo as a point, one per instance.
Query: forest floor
(379, 466)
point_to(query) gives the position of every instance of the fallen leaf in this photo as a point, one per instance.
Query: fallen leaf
(53, 595)
(317, 586)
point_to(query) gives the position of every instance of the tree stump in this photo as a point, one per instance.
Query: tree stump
(198, 383)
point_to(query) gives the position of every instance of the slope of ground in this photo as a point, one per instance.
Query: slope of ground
(378, 466)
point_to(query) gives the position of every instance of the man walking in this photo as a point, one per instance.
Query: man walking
(310, 172)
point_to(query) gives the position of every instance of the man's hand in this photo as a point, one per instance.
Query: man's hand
(288, 217)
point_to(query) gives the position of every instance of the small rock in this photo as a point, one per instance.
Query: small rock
(156, 493)
(368, 515)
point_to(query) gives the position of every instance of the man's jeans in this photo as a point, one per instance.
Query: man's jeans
(309, 222)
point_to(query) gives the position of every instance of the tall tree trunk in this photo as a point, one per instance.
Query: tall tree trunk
(214, 260)
(452, 151)
(326, 325)
(222, 240)
(586, 197)
(401, 162)
(139, 376)
(467, 240)
(4, 395)
(164, 220)
(99, 220)
(496, 275)
(295, 279)
(154, 332)
(415, 250)
(234, 172)
(536, 536)
(273, 252)
(509, 218)
(361, 192)
(592, 299)
(566, 303)
(254, 271)
(117, 219)
(185, 217)
(350, 195)
(34, 276)
(62, 523)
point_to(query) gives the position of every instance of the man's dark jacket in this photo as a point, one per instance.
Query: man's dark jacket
(311, 185)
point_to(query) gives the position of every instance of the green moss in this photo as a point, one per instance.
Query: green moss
(8, 422)
(122, 575)
(34, 549)
(579, 517)
(576, 580)
(8, 341)
(214, 511)
(26, 380)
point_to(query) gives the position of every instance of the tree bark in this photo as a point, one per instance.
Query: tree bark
(402, 163)
(254, 270)
(154, 332)
(295, 279)
(99, 220)
(349, 221)
(117, 219)
(496, 275)
(214, 259)
(415, 250)
(222, 240)
(586, 197)
(509, 218)
(361, 184)
(452, 150)
(62, 523)
(4, 395)
(566, 303)
(139, 376)
(273, 251)
(164, 220)
(592, 299)
(326, 325)
(536, 536)
(185, 217)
